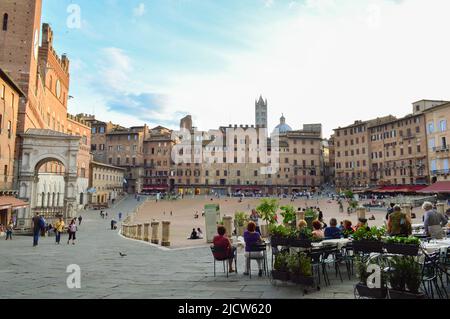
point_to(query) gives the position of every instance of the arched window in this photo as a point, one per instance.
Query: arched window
(5, 22)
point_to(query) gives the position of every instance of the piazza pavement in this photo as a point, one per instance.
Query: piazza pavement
(146, 272)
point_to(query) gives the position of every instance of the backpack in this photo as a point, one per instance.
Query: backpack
(41, 222)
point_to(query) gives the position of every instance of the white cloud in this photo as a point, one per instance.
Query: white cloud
(268, 3)
(333, 65)
(115, 68)
(139, 11)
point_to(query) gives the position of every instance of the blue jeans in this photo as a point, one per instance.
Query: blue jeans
(58, 236)
(9, 234)
(36, 235)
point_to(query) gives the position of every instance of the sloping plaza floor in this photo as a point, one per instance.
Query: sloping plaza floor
(146, 271)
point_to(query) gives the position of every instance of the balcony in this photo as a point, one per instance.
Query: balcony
(444, 148)
(409, 136)
(441, 172)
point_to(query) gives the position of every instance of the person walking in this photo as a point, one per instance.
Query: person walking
(72, 231)
(9, 230)
(120, 216)
(59, 228)
(38, 225)
(79, 220)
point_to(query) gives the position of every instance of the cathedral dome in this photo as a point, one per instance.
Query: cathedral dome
(283, 127)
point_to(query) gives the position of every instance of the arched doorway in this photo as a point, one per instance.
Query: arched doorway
(41, 147)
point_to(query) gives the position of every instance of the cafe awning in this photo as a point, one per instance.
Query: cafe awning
(400, 189)
(437, 188)
(155, 187)
(7, 202)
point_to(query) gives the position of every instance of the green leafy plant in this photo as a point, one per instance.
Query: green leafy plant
(361, 264)
(288, 214)
(405, 273)
(268, 210)
(240, 218)
(373, 234)
(278, 230)
(353, 204)
(305, 234)
(349, 194)
(411, 240)
(299, 264)
(281, 262)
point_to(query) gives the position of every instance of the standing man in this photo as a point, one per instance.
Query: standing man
(79, 220)
(120, 216)
(38, 225)
(59, 228)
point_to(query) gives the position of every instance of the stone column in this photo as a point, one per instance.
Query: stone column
(227, 223)
(300, 216)
(361, 212)
(406, 209)
(440, 208)
(139, 231)
(165, 241)
(134, 232)
(146, 232)
(155, 226)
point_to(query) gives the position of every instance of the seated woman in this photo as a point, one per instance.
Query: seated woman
(332, 232)
(398, 223)
(252, 237)
(302, 230)
(317, 230)
(348, 229)
(227, 251)
(199, 233)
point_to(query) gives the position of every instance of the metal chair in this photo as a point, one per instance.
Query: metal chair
(332, 256)
(348, 257)
(222, 250)
(431, 274)
(257, 248)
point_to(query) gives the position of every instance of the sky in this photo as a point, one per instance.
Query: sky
(315, 61)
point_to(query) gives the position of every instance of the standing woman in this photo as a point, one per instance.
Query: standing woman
(72, 231)
(59, 228)
(9, 229)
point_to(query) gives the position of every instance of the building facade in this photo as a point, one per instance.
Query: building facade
(106, 183)
(50, 143)
(437, 119)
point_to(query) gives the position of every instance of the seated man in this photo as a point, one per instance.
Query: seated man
(194, 234)
(222, 243)
(333, 232)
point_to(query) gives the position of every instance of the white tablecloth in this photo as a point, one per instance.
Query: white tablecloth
(436, 245)
(330, 242)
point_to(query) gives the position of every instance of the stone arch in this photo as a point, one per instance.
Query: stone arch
(40, 147)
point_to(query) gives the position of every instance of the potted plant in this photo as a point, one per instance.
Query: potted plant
(268, 212)
(361, 288)
(240, 219)
(300, 269)
(289, 215)
(402, 245)
(280, 267)
(368, 240)
(301, 238)
(278, 235)
(405, 278)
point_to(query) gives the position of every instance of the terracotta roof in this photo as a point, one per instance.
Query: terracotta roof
(12, 202)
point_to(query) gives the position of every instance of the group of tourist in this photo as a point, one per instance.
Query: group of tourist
(226, 251)
(196, 234)
(41, 227)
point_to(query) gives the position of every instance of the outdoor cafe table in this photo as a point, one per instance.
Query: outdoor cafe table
(437, 245)
(342, 242)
